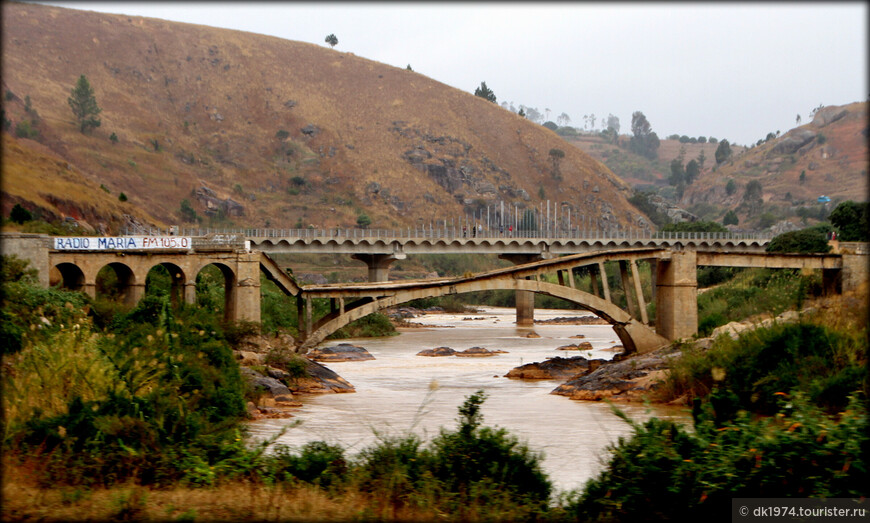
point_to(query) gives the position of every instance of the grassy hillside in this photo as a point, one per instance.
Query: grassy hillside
(258, 131)
(833, 160)
(827, 156)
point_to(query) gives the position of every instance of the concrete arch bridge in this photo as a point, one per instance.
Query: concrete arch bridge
(674, 290)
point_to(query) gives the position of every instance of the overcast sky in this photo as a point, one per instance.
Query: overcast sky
(735, 71)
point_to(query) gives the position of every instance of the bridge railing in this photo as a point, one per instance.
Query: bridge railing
(450, 233)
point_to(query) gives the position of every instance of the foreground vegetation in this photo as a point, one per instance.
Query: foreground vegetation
(136, 414)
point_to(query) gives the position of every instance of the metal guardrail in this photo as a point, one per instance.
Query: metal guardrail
(230, 235)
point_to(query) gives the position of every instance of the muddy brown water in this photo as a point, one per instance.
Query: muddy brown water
(399, 392)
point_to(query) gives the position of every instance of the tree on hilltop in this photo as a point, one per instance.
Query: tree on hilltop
(485, 92)
(644, 141)
(331, 40)
(723, 152)
(84, 105)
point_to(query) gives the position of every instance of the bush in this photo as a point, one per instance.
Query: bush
(473, 472)
(851, 221)
(764, 363)
(163, 388)
(664, 472)
(482, 462)
(25, 129)
(802, 241)
(19, 214)
(751, 292)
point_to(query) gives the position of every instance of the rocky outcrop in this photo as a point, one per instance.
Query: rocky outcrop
(437, 352)
(340, 352)
(793, 141)
(583, 345)
(736, 328)
(478, 352)
(274, 391)
(555, 368)
(626, 379)
(319, 380)
(214, 205)
(828, 115)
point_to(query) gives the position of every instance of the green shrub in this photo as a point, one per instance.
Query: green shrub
(662, 472)
(372, 326)
(802, 241)
(318, 463)
(19, 214)
(25, 129)
(477, 463)
(765, 363)
(751, 292)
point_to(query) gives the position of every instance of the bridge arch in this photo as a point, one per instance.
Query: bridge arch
(128, 288)
(635, 336)
(177, 278)
(230, 285)
(68, 276)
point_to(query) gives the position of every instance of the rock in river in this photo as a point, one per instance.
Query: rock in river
(341, 352)
(583, 345)
(477, 352)
(437, 351)
(555, 368)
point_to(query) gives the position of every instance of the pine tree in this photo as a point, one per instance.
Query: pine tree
(84, 105)
(485, 92)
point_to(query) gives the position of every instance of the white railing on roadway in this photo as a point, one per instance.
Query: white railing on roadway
(450, 233)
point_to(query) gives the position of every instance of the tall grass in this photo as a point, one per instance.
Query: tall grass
(753, 292)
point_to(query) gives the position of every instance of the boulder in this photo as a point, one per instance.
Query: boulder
(793, 141)
(319, 380)
(828, 115)
(583, 345)
(555, 368)
(437, 351)
(341, 352)
(248, 358)
(276, 390)
(476, 352)
(624, 379)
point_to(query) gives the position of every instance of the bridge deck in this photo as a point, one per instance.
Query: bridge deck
(526, 270)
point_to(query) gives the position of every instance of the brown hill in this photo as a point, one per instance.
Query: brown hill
(637, 170)
(831, 151)
(258, 131)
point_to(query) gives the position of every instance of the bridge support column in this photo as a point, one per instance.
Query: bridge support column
(627, 288)
(190, 292)
(246, 295)
(604, 284)
(677, 295)
(133, 293)
(525, 300)
(638, 291)
(379, 264)
(855, 269)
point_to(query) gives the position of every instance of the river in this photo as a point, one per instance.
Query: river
(400, 392)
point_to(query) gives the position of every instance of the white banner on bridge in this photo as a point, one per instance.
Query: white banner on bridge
(122, 243)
